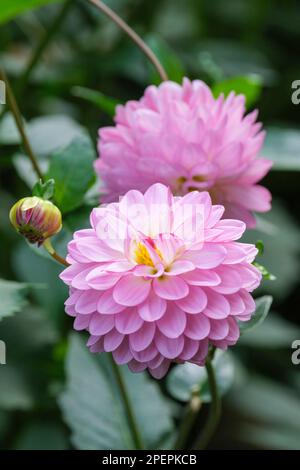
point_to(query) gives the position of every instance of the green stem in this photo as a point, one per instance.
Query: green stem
(130, 416)
(49, 247)
(189, 418)
(215, 409)
(42, 45)
(133, 35)
(12, 104)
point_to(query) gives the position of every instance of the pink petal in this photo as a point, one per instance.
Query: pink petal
(122, 355)
(128, 321)
(170, 288)
(119, 266)
(230, 230)
(97, 347)
(255, 198)
(190, 349)
(146, 355)
(141, 339)
(112, 340)
(231, 281)
(218, 329)
(160, 371)
(99, 279)
(173, 323)
(200, 277)
(131, 290)
(81, 322)
(194, 302)
(209, 257)
(101, 324)
(179, 267)
(198, 326)
(136, 366)
(87, 302)
(218, 306)
(201, 354)
(69, 273)
(153, 307)
(156, 362)
(107, 304)
(237, 306)
(169, 348)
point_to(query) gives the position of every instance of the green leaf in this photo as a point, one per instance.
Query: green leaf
(47, 134)
(16, 391)
(167, 58)
(44, 190)
(72, 170)
(32, 269)
(106, 103)
(283, 147)
(41, 435)
(9, 134)
(13, 297)
(275, 333)
(260, 246)
(263, 305)
(250, 86)
(29, 338)
(12, 8)
(280, 233)
(268, 404)
(265, 273)
(93, 408)
(183, 379)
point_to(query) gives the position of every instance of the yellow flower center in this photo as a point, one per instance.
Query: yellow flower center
(142, 254)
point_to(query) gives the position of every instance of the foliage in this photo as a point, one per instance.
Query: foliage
(54, 393)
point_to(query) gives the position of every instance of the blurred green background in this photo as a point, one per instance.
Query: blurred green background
(53, 393)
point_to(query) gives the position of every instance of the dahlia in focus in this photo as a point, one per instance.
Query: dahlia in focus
(158, 279)
(183, 137)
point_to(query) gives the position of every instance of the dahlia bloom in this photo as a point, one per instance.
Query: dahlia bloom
(183, 137)
(158, 279)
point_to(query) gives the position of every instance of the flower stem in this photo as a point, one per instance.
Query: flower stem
(12, 103)
(130, 416)
(215, 409)
(189, 418)
(133, 35)
(42, 45)
(49, 247)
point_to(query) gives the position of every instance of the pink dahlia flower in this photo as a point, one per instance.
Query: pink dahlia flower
(183, 137)
(160, 278)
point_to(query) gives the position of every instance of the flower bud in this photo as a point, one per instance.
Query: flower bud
(35, 219)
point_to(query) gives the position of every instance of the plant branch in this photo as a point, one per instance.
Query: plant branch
(49, 247)
(12, 104)
(130, 416)
(188, 420)
(42, 45)
(215, 409)
(133, 35)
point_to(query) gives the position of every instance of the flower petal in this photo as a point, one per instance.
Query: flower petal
(170, 288)
(198, 326)
(194, 302)
(152, 308)
(173, 322)
(128, 321)
(101, 324)
(131, 290)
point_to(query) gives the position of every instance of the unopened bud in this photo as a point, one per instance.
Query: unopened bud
(35, 219)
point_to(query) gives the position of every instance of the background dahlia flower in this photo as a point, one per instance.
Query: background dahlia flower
(159, 278)
(183, 137)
